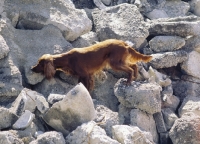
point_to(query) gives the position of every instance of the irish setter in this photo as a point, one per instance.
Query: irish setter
(85, 62)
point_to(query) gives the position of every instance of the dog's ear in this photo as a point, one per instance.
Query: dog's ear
(49, 69)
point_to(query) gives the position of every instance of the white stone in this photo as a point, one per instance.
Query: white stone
(76, 108)
(191, 65)
(24, 121)
(51, 137)
(3, 46)
(42, 104)
(190, 104)
(131, 135)
(89, 133)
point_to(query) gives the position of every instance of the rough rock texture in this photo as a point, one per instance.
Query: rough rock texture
(128, 135)
(75, 108)
(109, 117)
(186, 130)
(176, 8)
(192, 43)
(159, 78)
(9, 138)
(104, 91)
(186, 88)
(36, 14)
(53, 98)
(7, 118)
(29, 134)
(188, 65)
(190, 104)
(169, 117)
(53, 86)
(145, 122)
(91, 133)
(168, 59)
(85, 40)
(166, 43)
(49, 137)
(183, 27)
(3, 47)
(29, 100)
(121, 22)
(144, 96)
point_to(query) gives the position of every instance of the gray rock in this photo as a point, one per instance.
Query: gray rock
(7, 137)
(156, 14)
(104, 91)
(142, 95)
(183, 89)
(129, 135)
(123, 22)
(91, 133)
(166, 43)
(53, 86)
(52, 42)
(7, 119)
(53, 98)
(11, 81)
(26, 46)
(36, 14)
(42, 104)
(194, 7)
(170, 101)
(99, 4)
(168, 59)
(145, 122)
(183, 26)
(26, 135)
(146, 6)
(185, 130)
(1, 7)
(110, 118)
(3, 48)
(160, 124)
(25, 101)
(49, 137)
(188, 65)
(164, 138)
(85, 40)
(124, 114)
(24, 120)
(176, 8)
(75, 108)
(192, 43)
(159, 78)
(107, 2)
(190, 104)
(169, 117)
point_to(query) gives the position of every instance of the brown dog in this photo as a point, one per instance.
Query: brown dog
(85, 62)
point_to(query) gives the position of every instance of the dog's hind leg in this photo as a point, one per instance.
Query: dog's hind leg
(84, 81)
(123, 67)
(87, 81)
(135, 68)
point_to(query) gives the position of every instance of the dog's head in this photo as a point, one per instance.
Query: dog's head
(45, 66)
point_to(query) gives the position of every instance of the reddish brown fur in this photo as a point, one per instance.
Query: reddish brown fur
(85, 62)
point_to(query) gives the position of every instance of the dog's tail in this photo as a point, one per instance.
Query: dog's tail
(136, 56)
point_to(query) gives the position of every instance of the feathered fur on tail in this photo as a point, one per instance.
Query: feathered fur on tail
(136, 56)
